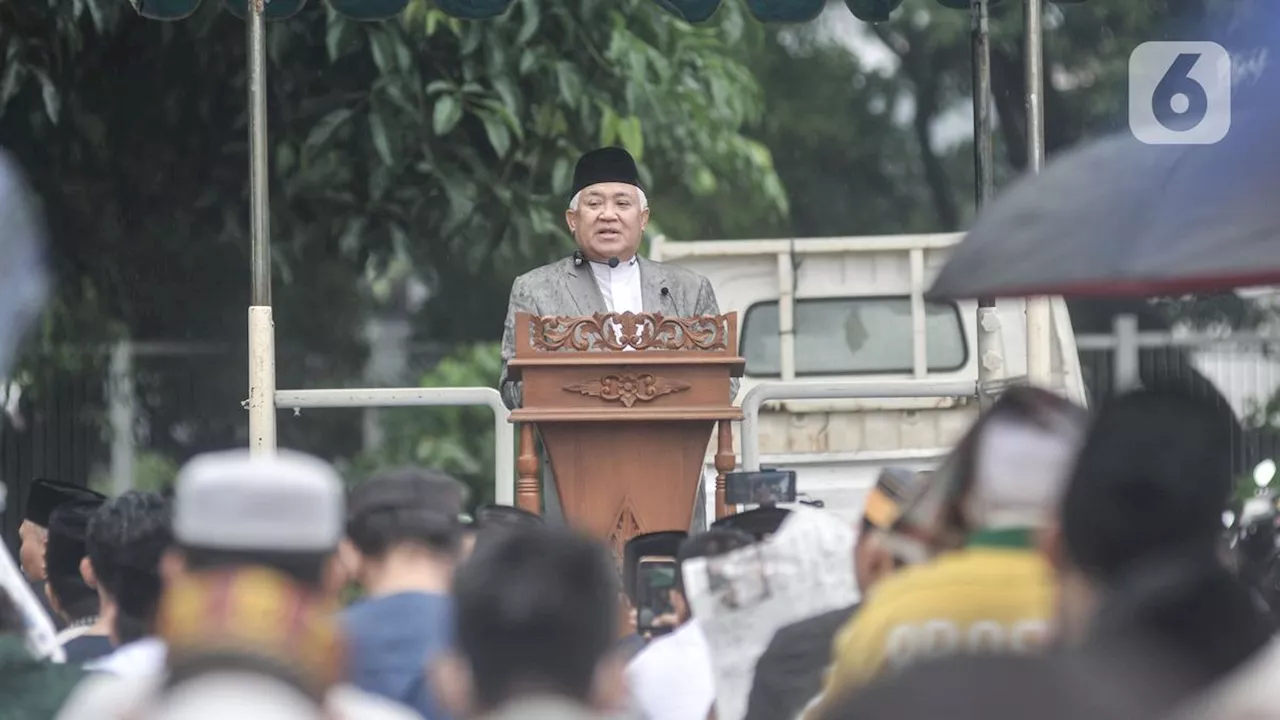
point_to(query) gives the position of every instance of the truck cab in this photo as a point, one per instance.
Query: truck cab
(853, 309)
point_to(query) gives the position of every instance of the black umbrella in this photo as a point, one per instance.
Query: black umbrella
(1119, 217)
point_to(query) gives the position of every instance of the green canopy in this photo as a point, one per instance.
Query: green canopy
(694, 11)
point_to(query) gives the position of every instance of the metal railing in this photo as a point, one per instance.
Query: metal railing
(504, 434)
(860, 389)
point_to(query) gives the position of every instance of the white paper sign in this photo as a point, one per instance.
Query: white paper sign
(741, 599)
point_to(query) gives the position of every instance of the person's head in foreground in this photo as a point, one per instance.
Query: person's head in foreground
(126, 539)
(67, 567)
(252, 567)
(1137, 539)
(875, 553)
(608, 211)
(46, 496)
(283, 511)
(1007, 474)
(404, 528)
(536, 620)
(493, 520)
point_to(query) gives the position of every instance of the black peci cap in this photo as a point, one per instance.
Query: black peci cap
(610, 164)
(759, 523)
(47, 495)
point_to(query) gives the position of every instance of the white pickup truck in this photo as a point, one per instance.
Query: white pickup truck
(852, 308)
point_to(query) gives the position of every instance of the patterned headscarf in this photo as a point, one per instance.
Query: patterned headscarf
(255, 611)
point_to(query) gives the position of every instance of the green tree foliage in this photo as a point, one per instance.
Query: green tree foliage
(459, 441)
(448, 146)
(447, 143)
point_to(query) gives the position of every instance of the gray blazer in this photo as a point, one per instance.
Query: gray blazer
(562, 289)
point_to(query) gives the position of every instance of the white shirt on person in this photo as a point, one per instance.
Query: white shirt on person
(620, 288)
(121, 684)
(672, 678)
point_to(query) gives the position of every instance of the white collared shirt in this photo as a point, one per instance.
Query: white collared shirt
(620, 286)
(144, 656)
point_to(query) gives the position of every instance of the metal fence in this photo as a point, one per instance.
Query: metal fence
(1239, 371)
(109, 417)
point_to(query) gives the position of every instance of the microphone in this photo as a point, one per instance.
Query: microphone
(665, 292)
(578, 258)
(613, 261)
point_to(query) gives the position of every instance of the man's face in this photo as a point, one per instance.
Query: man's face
(609, 221)
(31, 553)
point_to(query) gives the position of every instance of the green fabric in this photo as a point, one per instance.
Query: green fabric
(30, 689)
(1019, 539)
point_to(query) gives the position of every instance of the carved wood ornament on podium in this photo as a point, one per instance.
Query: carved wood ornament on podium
(625, 404)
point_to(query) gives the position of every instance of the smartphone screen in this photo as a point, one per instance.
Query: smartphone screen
(656, 578)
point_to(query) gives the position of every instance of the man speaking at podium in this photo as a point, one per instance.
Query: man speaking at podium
(607, 215)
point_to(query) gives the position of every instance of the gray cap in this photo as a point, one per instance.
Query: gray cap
(234, 500)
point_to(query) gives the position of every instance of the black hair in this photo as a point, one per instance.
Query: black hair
(504, 516)
(307, 568)
(64, 550)
(1153, 478)
(126, 538)
(536, 611)
(407, 506)
(708, 544)
(1142, 518)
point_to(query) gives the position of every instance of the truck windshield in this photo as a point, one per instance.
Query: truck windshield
(853, 336)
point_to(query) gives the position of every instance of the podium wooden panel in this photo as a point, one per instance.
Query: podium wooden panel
(625, 405)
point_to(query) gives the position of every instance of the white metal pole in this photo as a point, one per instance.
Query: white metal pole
(262, 352)
(1126, 354)
(786, 317)
(1039, 315)
(990, 348)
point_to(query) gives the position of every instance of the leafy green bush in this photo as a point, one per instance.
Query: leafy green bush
(456, 440)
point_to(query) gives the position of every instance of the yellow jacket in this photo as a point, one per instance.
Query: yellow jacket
(995, 595)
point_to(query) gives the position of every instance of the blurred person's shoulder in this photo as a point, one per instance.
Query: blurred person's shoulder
(351, 701)
(103, 696)
(547, 708)
(404, 605)
(30, 687)
(1248, 692)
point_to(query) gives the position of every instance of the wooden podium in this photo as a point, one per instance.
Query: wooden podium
(625, 404)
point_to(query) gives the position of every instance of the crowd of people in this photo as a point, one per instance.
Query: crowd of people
(1059, 563)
